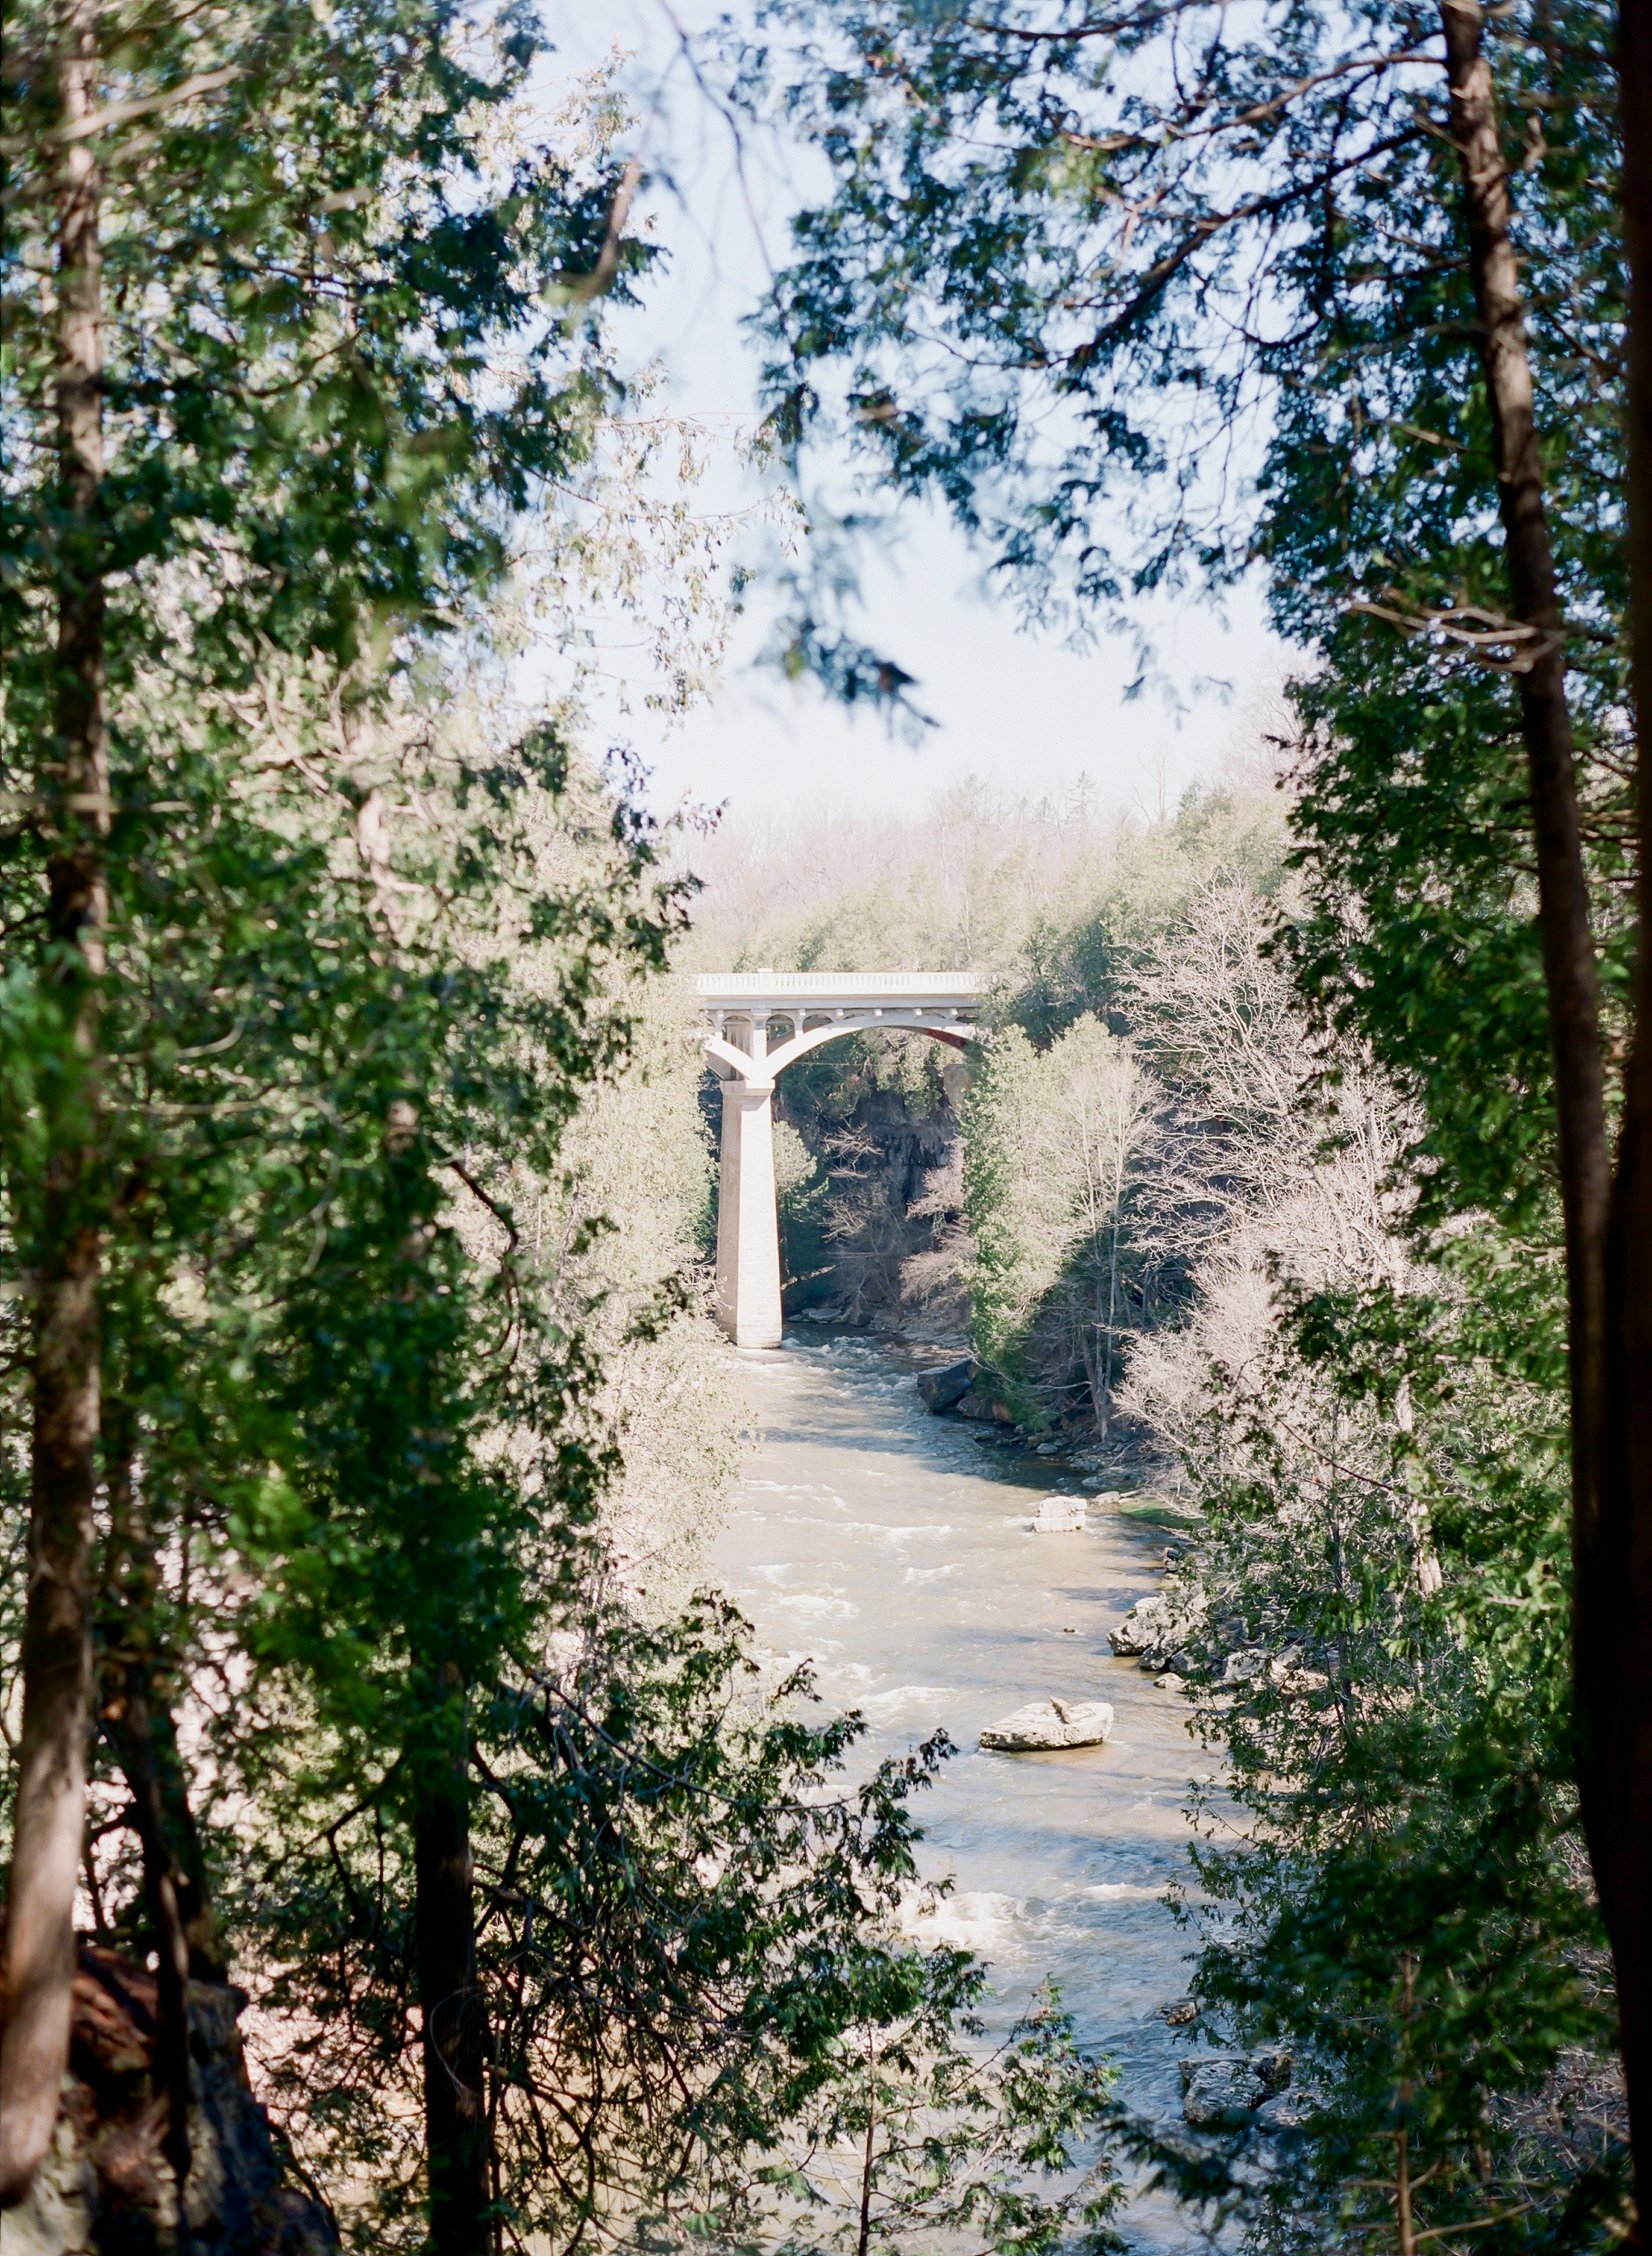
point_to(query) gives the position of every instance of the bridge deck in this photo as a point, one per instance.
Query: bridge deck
(825, 992)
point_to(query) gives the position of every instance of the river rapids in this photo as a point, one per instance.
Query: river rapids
(893, 1550)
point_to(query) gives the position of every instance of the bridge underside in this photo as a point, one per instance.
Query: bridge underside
(817, 1008)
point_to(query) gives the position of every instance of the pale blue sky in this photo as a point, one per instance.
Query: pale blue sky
(1017, 708)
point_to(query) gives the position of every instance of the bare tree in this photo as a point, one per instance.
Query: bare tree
(1098, 1109)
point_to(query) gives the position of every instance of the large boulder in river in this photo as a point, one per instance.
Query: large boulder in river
(1050, 1723)
(1218, 2086)
(1159, 1627)
(946, 1384)
(1059, 1515)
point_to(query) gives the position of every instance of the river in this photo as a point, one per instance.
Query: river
(894, 1549)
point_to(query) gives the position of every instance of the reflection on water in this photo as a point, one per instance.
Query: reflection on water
(893, 1550)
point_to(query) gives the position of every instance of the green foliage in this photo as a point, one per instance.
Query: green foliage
(347, 334)
(1407, 1911)
(802, 1191)
(696, 1986)
(1147, 302)
(306, 1367)
(345, 337)
(1019, 1242)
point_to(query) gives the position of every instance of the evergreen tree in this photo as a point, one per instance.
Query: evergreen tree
(294, 326)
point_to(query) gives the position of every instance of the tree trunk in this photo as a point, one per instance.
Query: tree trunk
(136, 1746)
(138, 1722)
(134, 1705)
(1610, 1665)
(126, 1713)
(38, 1971)
(1621, 1570)
(451, 2005)
(1568, 948)
(1112, 1309)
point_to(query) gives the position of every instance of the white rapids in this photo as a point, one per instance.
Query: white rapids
(898, 1555)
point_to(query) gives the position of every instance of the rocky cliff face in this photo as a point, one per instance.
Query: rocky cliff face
(106, 2188)
(880, 1238)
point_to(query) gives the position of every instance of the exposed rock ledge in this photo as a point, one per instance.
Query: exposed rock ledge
(105, 2186)
(1051, 1723)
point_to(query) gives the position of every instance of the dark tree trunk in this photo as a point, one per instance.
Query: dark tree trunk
(1610, 1363)
(38, 1971)
(134, 1678)
(134, 1740)
(455, 2016)
(138, 1724)
(1568, 947)
(1621, 1570)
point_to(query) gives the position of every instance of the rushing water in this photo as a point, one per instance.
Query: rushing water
(895, 1550)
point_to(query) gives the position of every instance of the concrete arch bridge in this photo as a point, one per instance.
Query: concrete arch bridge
(745, 1008)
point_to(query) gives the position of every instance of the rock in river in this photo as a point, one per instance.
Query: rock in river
(1051, 1723)
(1158, 1627)
(948, 1383)
(1221, 2086)
(1059, 1515)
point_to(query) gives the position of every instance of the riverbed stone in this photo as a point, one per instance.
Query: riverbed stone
(1246, 1667)
(1219, 2086)
(1051, 1723)
(975, 1403)
(1158, 1627)
(944, 1387)
(1059, 1515)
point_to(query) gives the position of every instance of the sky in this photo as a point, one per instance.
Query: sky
(1016, 708)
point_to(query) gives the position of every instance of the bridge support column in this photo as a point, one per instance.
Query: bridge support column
(748, 1222)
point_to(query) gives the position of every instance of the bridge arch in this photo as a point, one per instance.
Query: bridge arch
(726, 1059)
(741, 1007)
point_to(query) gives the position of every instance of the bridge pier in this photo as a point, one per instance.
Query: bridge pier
(740, 1005)
(747, 1219)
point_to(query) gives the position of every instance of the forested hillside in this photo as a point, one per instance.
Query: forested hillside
(1057, 906)
(409, 1846)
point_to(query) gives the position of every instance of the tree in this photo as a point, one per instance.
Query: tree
(397, 1355)
(1381, 1659)
(1071, 257)
(689, 1942)
(1099, 1112)
(256, 272)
